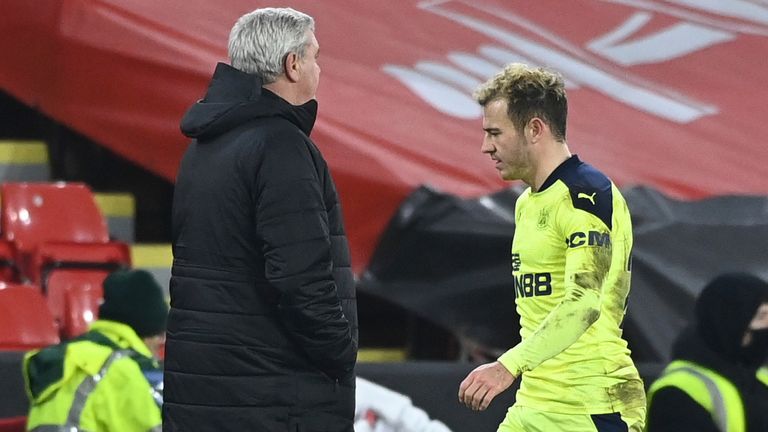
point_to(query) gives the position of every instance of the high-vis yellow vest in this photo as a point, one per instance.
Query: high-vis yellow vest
(762, 375)
(96, 386)
(707, 388)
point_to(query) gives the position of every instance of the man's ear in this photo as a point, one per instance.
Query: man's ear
(536, 128)
(291, 65)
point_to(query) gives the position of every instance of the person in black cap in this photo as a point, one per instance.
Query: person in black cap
(135, 298)
(107, 379)
(712, 383)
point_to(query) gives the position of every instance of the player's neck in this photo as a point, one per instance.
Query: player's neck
(552, 155)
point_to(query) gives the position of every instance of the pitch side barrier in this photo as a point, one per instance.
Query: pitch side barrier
(432, 386)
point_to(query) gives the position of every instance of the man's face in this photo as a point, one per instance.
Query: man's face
(156, 345)
(504, 143)
(759, 322)
(310, 70)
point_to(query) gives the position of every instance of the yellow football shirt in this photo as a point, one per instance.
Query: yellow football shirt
(571, 263)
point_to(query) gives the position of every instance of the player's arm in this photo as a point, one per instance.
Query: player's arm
(588, 260)
(292, 222)
(587, 266)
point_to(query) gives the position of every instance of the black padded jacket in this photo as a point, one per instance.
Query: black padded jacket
(262, 332)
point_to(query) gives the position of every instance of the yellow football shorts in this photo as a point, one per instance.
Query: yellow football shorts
(524, 419)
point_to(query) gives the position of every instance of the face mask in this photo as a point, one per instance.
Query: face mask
(756, 353)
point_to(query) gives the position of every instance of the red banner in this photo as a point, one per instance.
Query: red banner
(668, 94)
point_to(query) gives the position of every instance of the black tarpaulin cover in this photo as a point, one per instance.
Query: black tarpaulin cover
(447, 260)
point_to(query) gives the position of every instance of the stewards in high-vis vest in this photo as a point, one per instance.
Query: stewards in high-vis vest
(715, 381)
(107, 379)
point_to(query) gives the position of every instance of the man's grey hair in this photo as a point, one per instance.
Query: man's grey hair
(260, 40)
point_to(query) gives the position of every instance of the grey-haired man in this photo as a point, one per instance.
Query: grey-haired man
(262, 334)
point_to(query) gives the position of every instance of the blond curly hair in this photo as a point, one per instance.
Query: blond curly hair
(530, 92)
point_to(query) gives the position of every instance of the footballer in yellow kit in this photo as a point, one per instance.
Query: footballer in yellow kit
(571, 262)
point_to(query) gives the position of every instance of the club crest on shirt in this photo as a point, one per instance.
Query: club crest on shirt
(543, 219)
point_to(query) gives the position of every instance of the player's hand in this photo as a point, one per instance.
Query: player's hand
(483, 384)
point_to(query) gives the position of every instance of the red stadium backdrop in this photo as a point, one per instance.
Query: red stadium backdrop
(669, 94)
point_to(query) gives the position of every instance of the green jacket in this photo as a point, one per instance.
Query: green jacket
(99, 381)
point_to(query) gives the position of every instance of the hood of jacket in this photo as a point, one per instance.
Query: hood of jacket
(724, 310)
(235, 98)
(47, 370)
(691, 346)
(723, 313)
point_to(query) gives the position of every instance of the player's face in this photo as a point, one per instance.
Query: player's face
(310, 70)
(504, 143)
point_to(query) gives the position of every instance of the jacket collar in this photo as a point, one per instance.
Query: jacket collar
(235, 98)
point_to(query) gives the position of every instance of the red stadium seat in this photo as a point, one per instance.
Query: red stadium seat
(40, 212)
(34, 213)
(37, 213)
(52, 256)
(13, 424)
(9, 271)
(74, 296)
(25, 320)
(62, 244)
(71, 276)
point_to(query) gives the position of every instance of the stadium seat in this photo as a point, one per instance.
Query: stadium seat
(9, 271)
(100, 257)
(13, 424)
(25, 320)
(73, 297)
(37, 213)
(71, 276)
(61, 243)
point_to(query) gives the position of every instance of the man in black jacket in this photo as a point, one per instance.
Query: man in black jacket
(712, 385)
(262, 332)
